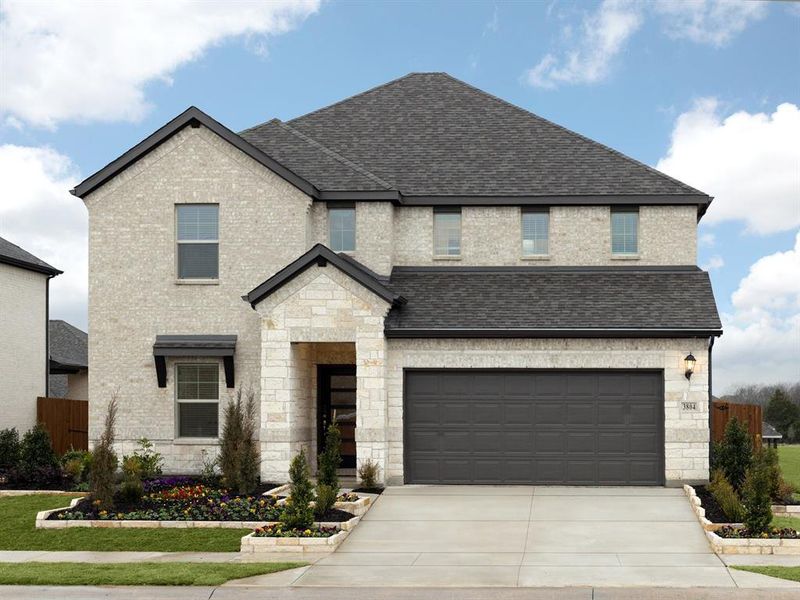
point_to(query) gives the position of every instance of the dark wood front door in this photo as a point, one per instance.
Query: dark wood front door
(336, 403)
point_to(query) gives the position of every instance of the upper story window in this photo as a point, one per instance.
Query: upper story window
(447, 231)
(198, 241)
(342, 228)
(535, 231)
(197, 397)
(625, 230)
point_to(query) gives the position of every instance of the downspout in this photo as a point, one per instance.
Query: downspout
(710, 398)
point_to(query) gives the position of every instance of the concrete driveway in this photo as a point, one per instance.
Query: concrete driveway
(524, 536)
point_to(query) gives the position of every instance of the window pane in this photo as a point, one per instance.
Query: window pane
(198, 221)
(624, 232)
(198, 382)
(535, 226)
(198, 261)
(342, 229)
(447, 234)
(198, 419)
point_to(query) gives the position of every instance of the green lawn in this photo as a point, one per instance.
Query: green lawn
(18, 532)
(793, 522)
(789, 457)
(791, 573)
(133, 573)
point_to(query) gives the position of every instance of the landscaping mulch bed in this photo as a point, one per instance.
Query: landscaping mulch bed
(785, 533)
(714, 512)
(334, 515)
(364, 490)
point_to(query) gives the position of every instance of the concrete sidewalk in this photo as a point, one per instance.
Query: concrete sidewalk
(248, 593)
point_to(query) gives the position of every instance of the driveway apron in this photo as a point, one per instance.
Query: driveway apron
(472, 536)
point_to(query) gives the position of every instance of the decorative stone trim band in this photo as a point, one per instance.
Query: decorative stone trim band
(753, 545)
(358, 508)
(299, 545)
(281, 490)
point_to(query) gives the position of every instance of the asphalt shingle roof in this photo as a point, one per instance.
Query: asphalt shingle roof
(68, 344)
(677, 298)
(429, 134)
(14, 255)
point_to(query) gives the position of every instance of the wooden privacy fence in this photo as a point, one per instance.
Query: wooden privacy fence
(67, 421)
(749, 414)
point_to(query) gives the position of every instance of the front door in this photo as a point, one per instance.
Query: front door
(336, 403)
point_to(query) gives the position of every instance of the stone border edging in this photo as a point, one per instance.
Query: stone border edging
(722, 545)
(298, 545)
(789, 510)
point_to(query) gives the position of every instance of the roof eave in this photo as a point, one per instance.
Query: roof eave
(554, 333)
(194, 117)
(24, 264)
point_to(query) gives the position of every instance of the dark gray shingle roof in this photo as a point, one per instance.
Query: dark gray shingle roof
(429, 134)
(69, 345)
(553, 298)
(768, 431)
(14, 255)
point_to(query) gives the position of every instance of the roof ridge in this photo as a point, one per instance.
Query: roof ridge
(358, 95)
(335, 155)
(573, 133)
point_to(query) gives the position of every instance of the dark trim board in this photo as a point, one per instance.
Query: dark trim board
(661, 413)
(549, 333)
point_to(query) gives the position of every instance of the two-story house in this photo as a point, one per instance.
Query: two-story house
(473, 293)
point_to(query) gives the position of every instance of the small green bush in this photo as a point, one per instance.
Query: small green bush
(104, 462)
(37, 461)
(208, 471)
(132, 489)
(726, 497)
(326, 497)
(368, 473)
(734, 453)
(239, 457)
(756, 494)
(9, 449)
(297, 512)
(77, 464)
(150, 461)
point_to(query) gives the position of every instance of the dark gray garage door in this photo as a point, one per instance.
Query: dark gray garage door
(534, 427)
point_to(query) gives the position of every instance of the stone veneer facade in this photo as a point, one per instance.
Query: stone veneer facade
(324, 317)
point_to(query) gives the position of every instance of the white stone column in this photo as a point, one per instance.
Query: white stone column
(371, 397)
(276, 396)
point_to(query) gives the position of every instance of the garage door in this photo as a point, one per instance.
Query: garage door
(534, 427)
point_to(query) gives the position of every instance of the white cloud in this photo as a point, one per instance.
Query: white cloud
(715, 262)
(761, 340)
(604, 34)
(708, 239)
(38, 213)
(713, 22)
(91, 61)
(588, 57)
(750, 163)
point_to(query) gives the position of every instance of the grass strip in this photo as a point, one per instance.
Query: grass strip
(790, 573)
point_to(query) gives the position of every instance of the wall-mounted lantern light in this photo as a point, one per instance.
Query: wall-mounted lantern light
(689, 361)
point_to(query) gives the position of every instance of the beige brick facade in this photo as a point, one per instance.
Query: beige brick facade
(23, 351)
(322, 316)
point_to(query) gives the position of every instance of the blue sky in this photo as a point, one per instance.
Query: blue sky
(703, 80)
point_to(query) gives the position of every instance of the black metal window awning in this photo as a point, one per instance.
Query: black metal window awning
(220, 346)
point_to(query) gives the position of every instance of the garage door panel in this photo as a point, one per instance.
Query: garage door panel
(534, 427)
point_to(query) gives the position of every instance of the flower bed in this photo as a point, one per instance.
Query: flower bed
(322, 538)
(181, 505)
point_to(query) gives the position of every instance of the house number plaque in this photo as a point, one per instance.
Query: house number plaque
(689, 405)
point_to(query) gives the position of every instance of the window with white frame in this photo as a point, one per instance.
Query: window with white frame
(535, 231)
(625, 230)
(447, 231)
(342, 228)
(197, 399)
(198, 241)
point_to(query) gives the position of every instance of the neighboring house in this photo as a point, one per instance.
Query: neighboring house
(769, 435)
(24, 310)
(69, 361)
(475, 294)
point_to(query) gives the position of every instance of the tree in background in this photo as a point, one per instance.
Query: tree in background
(782, 413)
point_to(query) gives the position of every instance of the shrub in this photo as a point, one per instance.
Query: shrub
(239, 455)
(330, 459)
(132, 490)
(77, 465)
(9, 449)
(104, 462)
(297, 513)
(208, 471)
(756, 494)
(37, 461)
(326, 497)
(150, 461)
(734, 453)
(726, 497)
(368, 473)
